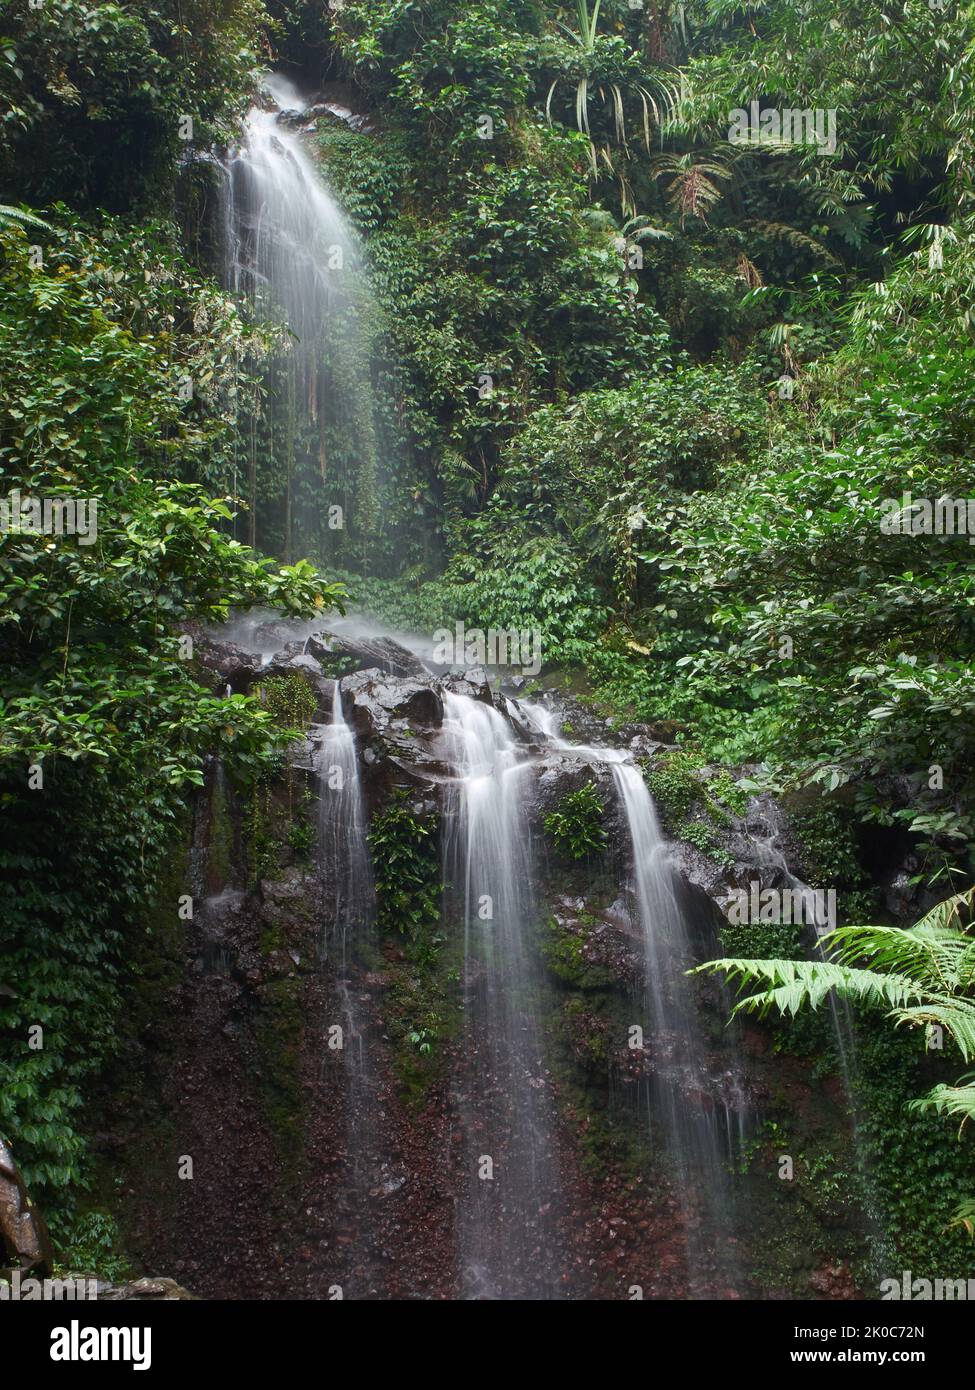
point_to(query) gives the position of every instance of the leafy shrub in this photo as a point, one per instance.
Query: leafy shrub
(576, 826)
(406, 865)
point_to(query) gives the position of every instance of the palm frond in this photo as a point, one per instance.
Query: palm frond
(801, 240)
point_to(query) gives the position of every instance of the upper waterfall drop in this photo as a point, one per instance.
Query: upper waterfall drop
(293, 255)
(289, 243)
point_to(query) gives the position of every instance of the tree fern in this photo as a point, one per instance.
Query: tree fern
(923, 976)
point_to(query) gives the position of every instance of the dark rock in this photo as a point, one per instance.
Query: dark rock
(473, 683)
(379, 653)
(398, 720)
(23, 1233)
(230, 665)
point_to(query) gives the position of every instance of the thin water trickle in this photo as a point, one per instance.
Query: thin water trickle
(343, 848)
(348, 918)
(691, 1111)
(768, 851)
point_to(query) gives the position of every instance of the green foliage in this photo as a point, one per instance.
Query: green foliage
(804, 56)
(923, 977)
(576, 825)
(827, 845)
(97, 694)
(421, 1011)
(406, 866)
(289, 700)
(499, 294)
(762, 940)
(93, 93)
(700, 833)
(19, 217)
(577, 431)
(674, 786)
(90, 1246)
(604, 65)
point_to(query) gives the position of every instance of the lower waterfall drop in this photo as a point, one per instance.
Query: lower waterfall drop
(508, 1243)
(348, 919)
(692, 1125)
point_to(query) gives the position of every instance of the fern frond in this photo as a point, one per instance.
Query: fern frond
(957, 1100)
(800, 240)
(964, 1215)
(795, 984)
(927, 953)
(955, 1016)
(19, 217)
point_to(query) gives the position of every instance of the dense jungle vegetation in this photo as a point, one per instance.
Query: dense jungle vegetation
(642, 388)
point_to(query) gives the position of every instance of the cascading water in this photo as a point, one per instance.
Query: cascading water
(767, 851)
(348, 918)
(695, 1125)
(344, 854)
(695, 1129)
(293, 255)
(289, 243)
(506, 1225)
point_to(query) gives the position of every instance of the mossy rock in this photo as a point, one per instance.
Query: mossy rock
(565, 954)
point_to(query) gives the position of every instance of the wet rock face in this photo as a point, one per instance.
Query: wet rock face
(26, 1244)
(380, 705)
(287, 1200)
(604, 947)
(397, 720)
(229, 664)
(395, 706)
(382, 653)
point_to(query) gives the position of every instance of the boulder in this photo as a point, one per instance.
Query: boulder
(23, 1234)
(379, 653)
(397, 721)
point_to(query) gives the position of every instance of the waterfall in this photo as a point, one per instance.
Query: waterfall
(508, 1248)
(695, 1122)
(292, 254)
(347, 927)
(768, 852)
(344, 853)
(289, 243)
(691, 1122)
